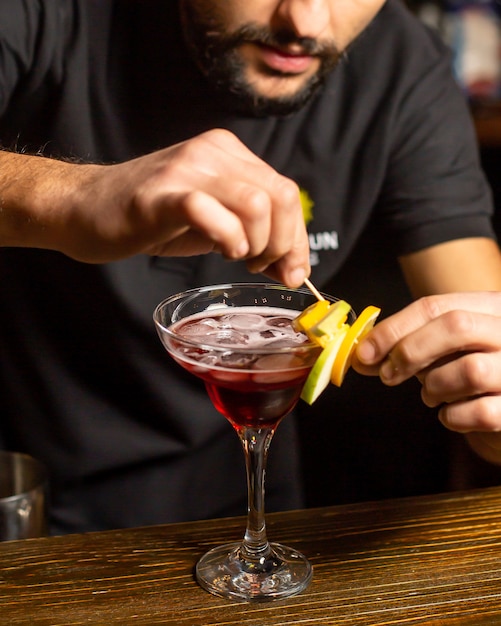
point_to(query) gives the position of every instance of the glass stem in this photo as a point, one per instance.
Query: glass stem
(255, 549)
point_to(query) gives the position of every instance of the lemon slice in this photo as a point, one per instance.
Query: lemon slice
(311, 315)
(320, 374)
(360, 327)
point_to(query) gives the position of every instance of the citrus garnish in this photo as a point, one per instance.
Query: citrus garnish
(360, 327)
(319, 377)
(311, 315)
(327, 329)
(338, 340)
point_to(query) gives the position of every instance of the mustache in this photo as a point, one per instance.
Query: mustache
(220, 43)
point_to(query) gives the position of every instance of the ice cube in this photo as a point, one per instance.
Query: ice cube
(236, 360)
(278, 362)
(277, 368)
(226, 337)
(198, 329)
(209, 359)
(244, 321)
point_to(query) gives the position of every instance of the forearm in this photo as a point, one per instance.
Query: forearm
(472, 264)
(36, 195)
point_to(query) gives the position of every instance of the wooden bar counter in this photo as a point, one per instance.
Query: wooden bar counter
(425, 560)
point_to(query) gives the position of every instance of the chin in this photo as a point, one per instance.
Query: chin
(281, 91)
(277, 103)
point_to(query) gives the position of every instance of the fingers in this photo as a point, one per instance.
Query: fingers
(467, 376)
(290, 267)
(487, 444)
(272, 221)
(443, 324)
(452, 344)
(475, 415)
(272, 239)
(207, 215)
(452, 333)
(285, 214)
(239, 202)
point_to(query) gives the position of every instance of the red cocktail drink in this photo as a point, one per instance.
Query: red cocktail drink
(251, 389)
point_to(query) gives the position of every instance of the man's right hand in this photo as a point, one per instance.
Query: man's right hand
(209, 193)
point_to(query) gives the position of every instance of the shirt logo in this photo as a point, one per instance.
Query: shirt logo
(319, 241)
(307, 204)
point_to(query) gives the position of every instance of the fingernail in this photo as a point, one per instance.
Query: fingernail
(297, 276)
(242, 249)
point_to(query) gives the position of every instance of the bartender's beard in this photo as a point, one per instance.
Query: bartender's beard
(216, 54)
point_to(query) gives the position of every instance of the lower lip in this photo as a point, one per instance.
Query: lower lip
(286, 63)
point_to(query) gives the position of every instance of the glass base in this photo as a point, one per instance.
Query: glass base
(224, 572)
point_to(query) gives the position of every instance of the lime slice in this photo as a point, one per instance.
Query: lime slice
(360, 327)
(329, 326)
(320, 374)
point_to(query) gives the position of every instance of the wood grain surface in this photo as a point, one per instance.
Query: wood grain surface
(427, 560)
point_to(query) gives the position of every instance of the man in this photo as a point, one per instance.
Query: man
(175, 129)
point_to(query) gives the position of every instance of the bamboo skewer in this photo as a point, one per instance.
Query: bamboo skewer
(313, 289)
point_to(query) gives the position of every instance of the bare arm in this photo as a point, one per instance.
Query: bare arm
(461, 265)
(209, 193)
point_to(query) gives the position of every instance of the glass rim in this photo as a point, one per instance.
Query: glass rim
(307, 346)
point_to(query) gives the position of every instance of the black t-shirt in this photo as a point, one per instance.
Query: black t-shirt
(85, 384)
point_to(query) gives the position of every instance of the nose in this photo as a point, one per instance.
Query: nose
(308, 18)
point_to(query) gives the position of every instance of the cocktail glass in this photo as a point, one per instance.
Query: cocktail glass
(254, 370)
